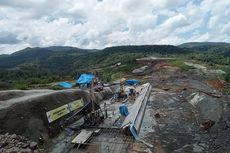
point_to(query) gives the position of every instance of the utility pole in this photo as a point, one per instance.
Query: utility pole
(92, 98)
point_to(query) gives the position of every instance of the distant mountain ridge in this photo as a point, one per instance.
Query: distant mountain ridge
(203, 46)
(28, 55)
(42, 65)
(67, 53)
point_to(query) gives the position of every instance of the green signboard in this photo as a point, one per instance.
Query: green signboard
(57, 113)
(76, 104)
(63, 110)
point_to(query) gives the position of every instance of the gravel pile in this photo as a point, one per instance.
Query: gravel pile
(18, 144)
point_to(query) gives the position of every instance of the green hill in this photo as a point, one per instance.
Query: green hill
(32, 66)
(45, 65)
(203, 46)
(56, 57)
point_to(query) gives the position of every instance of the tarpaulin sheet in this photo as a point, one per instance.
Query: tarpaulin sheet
(132, 81)
(65, 84)
(123, 110)
(85, 79)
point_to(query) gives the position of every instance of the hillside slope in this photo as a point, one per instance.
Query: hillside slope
(33, 66)
(203, 46)
(56, 58)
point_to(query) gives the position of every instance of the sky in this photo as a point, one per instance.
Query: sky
(103, 23)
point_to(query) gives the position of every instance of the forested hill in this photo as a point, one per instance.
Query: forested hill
(204, 46)
(161, 49)
(213, 54)
(51, 57)
(38, 55)
(50, 64)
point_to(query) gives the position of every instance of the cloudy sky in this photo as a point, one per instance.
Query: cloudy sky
(102, 23)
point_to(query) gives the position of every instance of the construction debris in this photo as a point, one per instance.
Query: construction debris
(82, 137)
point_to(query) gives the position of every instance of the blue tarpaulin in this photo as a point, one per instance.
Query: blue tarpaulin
(65, 84)
(123, 110)
(132, 81)
(85, 79)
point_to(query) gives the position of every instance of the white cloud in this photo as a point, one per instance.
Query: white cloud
(97, 24)
(226, 28)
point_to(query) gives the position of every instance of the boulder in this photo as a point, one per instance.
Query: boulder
(140, 70)
(33, 145)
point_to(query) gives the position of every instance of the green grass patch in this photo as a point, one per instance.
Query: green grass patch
(180, 63)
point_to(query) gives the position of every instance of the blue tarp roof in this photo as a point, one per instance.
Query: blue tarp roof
(85, 79)
(132, 81)
(65, 84)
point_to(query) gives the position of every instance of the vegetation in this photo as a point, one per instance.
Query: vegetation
(214, 55)
(180, 63)
(227, 75)
(33, 66)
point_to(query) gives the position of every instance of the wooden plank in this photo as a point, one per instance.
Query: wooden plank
(82, 137)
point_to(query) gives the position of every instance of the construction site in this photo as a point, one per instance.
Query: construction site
(159, 109)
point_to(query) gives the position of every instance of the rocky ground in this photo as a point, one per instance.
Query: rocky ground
(186, 114)
(18, 144)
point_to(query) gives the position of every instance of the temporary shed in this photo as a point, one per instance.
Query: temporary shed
(65, 84)
(132, 82)
(85, 79)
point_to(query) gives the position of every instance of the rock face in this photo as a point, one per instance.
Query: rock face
(209, 108)
(24, 112)
(140, 70)
(18, 144)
